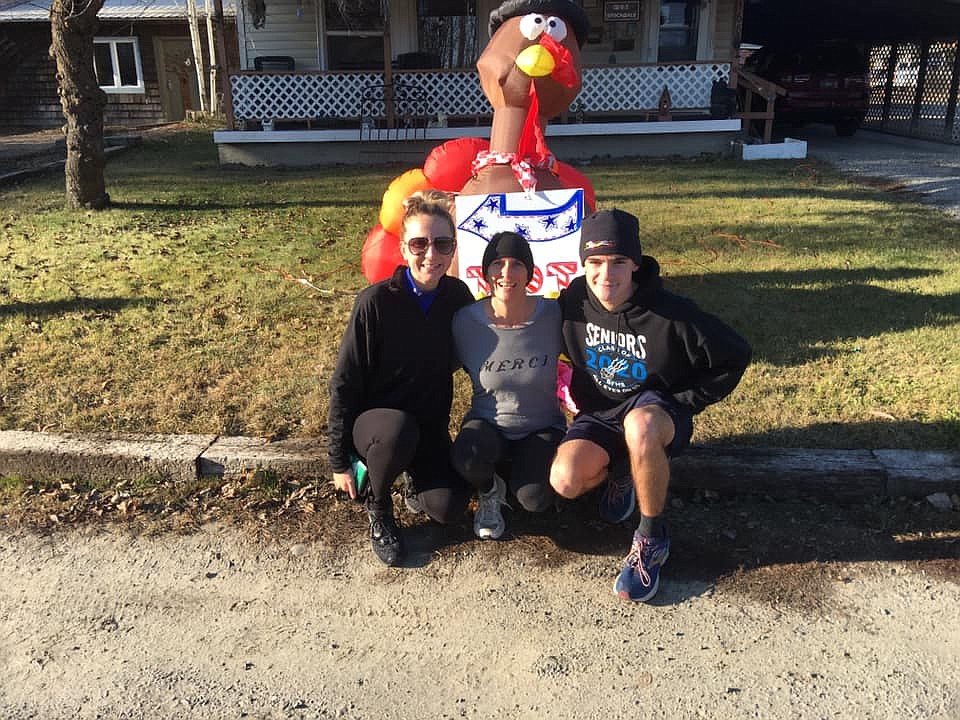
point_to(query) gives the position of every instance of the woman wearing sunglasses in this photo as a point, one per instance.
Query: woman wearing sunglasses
(391, 390)
(509, 343)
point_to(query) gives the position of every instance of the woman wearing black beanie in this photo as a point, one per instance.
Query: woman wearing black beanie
(508, 343)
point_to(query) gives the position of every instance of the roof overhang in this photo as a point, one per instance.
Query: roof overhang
(140, 10)
(866, 21)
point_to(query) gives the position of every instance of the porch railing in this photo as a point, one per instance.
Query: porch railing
(607, 89)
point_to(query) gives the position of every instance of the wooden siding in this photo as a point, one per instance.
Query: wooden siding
(283, 33)
(28, 85)
(723, 40)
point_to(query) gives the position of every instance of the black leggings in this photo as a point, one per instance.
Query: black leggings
(480, 448)
(392, 441)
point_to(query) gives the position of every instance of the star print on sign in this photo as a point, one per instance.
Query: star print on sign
(549, 220)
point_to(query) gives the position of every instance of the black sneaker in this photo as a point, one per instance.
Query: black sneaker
(385, 538)
(410, 496)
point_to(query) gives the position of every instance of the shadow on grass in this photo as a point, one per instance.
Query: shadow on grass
(780, 552)
(791, 318)
(879, 434)
(80, 304)
(201, 206)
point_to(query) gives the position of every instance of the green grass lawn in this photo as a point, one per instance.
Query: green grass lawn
(178, 310)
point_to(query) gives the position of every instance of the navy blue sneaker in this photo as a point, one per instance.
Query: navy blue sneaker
(618, 500)
(640, 577)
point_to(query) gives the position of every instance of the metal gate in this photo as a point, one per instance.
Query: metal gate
(913, 90)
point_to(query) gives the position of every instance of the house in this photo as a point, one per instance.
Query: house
(143, 54)
(308, 66)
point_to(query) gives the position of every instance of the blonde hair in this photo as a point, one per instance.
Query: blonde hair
(436, 203)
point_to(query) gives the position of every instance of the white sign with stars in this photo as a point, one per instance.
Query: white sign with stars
(549, 220)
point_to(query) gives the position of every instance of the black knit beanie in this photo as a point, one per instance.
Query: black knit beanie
(569, 11)
(508, 244)
(610, 232)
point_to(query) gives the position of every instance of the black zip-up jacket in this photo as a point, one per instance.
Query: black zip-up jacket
(654, 341)
(394, 356)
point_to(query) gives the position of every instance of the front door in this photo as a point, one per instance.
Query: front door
(178, 77)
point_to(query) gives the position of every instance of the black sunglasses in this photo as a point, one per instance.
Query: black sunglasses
(442, 244)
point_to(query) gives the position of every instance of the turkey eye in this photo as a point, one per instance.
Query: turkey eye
(556, 28)
(532, 25)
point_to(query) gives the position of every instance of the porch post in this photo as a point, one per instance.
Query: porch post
(918, 90)
(224, 77)
(389, 107)
(737, 39)
(737, 30)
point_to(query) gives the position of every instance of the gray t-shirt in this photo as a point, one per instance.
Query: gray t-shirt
(513, 370)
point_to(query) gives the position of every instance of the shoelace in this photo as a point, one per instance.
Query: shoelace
(490, 503)
(619, 487)
(635, 558)
(382, 531)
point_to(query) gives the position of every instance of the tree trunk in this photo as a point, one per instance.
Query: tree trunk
(73, 24)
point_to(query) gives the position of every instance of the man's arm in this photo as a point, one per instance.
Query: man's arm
(718, 357)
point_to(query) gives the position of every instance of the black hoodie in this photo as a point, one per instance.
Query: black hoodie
(654, 341)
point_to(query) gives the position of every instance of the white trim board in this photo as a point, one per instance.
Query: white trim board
(572, 130)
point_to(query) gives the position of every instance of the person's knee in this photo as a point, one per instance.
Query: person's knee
(443, 506)
(647, 431)
(563, 480)
(535, 497)
(469, 463)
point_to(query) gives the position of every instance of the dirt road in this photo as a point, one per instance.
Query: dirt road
(767, 609)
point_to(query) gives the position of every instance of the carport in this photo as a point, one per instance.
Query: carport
(913, 46)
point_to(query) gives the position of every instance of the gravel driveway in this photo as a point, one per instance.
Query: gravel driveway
(929, 169)
(803, 609)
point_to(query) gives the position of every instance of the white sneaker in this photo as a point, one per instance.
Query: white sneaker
(488, 523)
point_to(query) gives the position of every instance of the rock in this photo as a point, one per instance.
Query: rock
(940, 500)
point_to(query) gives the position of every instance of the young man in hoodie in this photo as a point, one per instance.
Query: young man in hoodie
(645, 361)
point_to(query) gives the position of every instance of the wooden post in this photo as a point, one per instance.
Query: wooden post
(918, 90)
(737, 40)
(389, 105)
(951, 117)
(888, 86)
(197, 52)
(224, 77)
(211, 47)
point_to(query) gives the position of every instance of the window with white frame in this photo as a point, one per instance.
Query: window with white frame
(117, 64)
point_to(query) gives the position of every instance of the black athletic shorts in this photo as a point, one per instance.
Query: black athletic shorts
(605, 428)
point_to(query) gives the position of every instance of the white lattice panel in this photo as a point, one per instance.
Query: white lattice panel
(622, 88)
(904, 114)
(879, 73)
(625, 88)
(450, 93)
(299, 95)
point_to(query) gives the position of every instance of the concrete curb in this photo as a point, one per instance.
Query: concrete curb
(777, 472)
(111, 146)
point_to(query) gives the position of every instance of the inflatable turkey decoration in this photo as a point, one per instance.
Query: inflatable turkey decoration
(529, 71)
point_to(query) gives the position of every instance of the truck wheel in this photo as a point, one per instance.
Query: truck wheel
(846, 127)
